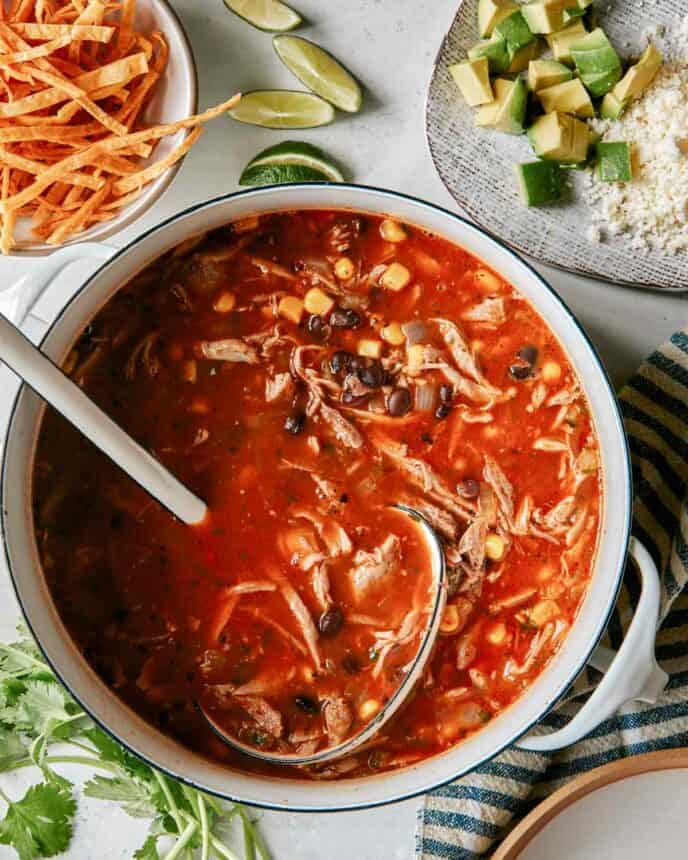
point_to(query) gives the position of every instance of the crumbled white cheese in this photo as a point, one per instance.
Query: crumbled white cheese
(652, 210)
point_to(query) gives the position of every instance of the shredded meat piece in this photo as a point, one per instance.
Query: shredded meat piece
(279, 387)
(268, 267)
(344, 430)
(522, 517)
(472, 543)
(143, 352)
(262, 713)
(230, 349)
(338, 718)
(492, 311)
(334, 537)
(372, 569)
(301, 614)
(503, 490)
(460, 350)
(321, 585)
(443, 522)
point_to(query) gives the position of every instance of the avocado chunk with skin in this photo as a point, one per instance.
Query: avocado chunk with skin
(491, 12)
(472, 77)
(639, 77)
(597, 62)
(539, 182)
(512, 113)
(544, 17)
(521, 59)
(515, 32)
(560, 43)
(494, 51)
(614, 161)
(547, 73)
(486, 115)
(612, 107)
(568, 97)
(559, 137)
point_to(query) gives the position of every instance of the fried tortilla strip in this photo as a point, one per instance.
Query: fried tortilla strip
(8, 220)
(75, 32)
(76, 222)
(29, 54)
(143, 177)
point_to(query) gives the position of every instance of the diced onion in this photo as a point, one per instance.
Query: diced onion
(415, 331)
(425, 397)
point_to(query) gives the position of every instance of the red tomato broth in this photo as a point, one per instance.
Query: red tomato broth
(147, 599)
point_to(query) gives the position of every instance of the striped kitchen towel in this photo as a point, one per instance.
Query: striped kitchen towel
(466, 820)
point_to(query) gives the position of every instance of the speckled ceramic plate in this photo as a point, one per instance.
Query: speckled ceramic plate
(477, 164)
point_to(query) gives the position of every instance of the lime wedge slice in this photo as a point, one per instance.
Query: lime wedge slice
(319, 71)
(282, 109)
(299, 154)
(278, 174)
(265, 14)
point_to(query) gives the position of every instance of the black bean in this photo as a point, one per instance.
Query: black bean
(306, 704)
(340, 361)
(387, 378)
(295, 423)
(351, 665)
(399, 402)
(446, 393)
(344, 318)
(317, 327)
(528, 353)
(521, 371)
(372, 375)
(351, 399)
(469, 488)
(330, 622)
(442, 411)
(356, 363)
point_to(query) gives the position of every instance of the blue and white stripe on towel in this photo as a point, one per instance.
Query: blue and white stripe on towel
(465, 820)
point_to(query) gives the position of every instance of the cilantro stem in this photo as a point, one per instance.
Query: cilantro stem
(182, 841)
(69, 759)
(174, 809)
(249, 827)
(205, 832)
(216, 844)
(7, 800)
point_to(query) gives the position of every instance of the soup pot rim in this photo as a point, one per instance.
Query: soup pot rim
(418, 785)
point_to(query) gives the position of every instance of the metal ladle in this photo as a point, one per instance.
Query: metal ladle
(437, 604)
(47, 380)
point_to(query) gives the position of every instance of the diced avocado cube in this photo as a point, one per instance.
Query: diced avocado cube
(521, 59)
(614, 161)
(543, 17)
(560, 43)
(547, 73)
(491, 12)
(486, 115)
(515, 32)
(539, 182)
(569, 15)
(494, 51)
(472, 77)
(639, 77)
(568, 97)
(559, 137)
(597, 62)
(612, 107)
(512, 112)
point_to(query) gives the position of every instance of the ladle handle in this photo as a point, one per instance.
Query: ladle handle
(52, 385)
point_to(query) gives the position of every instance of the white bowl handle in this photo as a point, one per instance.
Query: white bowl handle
(17, 299)
(632, 673)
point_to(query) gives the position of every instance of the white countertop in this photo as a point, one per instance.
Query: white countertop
(390, 45)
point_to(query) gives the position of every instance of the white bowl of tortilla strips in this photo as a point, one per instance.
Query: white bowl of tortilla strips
(96, 112)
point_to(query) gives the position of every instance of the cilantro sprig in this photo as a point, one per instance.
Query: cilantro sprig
(42, 726)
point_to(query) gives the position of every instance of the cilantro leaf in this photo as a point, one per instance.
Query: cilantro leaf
(148, 851)
(12, 750)
(134, 796)
(42, 706)
(39, 825)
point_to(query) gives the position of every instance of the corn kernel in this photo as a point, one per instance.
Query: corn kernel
(450, 620)
(318, 302)
(551, 371)
(307, 674)
(368, 709)
(392, 231)
(199, 406)
(224, 303)
(488, 280)
(545, 573)
(344, 269)
(370, 348)
(496, 633)
(542, 612)
(415, 356)
(291, 308)
(495, 547)
(395, 277)
(190, 371)
(394, 334)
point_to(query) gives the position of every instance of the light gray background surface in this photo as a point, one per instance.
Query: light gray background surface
(390, 45)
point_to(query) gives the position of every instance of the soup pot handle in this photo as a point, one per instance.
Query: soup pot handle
(632, 672)
(17, 300)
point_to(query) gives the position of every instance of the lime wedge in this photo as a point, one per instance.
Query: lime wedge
(282, 109)
(278, 174)
(319, 71)
(265, 14)
(298, 154)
